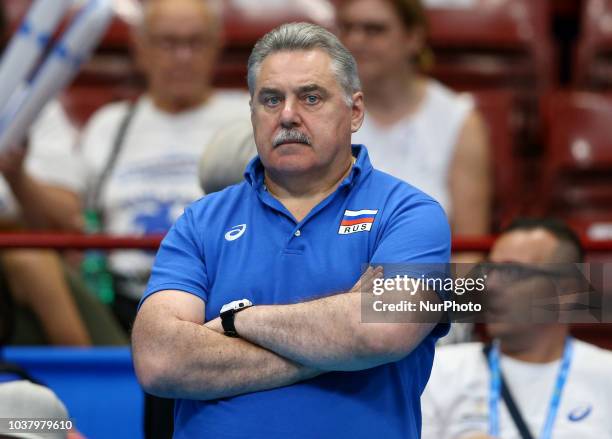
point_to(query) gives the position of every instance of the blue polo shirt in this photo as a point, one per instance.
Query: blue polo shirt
(243, 243)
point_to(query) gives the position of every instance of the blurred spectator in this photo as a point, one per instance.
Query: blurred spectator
(140, 160)
(474, 387)
(415, 128)
(35, 178)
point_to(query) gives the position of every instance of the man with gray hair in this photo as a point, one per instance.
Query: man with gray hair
(252, 316)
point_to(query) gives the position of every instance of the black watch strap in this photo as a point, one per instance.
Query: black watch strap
(227, 321)
(228, 314)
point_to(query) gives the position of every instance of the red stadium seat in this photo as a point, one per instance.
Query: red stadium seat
(578, 157)
(491, 44)
(497, 44)
(593, 58)
(595, 333)
(499, 111)
(501, 43)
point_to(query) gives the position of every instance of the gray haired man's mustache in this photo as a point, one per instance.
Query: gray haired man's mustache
(290, 136)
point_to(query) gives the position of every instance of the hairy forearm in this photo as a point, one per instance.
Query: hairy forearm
(328, 333)
(185, 360)
(44, 206)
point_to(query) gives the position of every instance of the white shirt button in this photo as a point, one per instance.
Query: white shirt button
(298, 234)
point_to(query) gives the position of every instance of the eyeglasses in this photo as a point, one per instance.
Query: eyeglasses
(513, 271)
(370, 29)
(172, 44)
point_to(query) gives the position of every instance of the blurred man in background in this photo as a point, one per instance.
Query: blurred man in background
(535, 379)
(140, 159)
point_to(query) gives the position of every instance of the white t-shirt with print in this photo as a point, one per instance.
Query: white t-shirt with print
(156, 172)
(455, 402)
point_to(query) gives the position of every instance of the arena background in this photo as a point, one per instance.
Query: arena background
(540, 71)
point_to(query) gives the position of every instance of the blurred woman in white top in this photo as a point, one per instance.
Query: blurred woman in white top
(415, 128)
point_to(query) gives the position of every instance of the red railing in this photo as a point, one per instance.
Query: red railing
(64, 241)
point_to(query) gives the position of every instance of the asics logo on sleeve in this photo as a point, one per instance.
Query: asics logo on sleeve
(235, 232)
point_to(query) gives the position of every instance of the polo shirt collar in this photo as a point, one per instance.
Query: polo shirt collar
(254, 173)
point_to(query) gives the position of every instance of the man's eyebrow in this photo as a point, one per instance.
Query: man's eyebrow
(312, 87)
(309, 88)
(268, 91)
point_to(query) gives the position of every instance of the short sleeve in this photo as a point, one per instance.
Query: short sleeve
(416, 241)
(179, 264)
(415, 233)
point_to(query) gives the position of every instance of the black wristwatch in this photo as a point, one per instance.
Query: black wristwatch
(228, 311)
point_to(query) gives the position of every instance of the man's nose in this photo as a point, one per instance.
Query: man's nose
(183, 53)
(289, 116)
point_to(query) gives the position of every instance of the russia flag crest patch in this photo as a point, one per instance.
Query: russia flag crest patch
(355, 221)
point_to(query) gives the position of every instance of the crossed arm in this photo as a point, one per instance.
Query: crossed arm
(177, 357)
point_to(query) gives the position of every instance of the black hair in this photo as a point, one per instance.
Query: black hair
(559, 229)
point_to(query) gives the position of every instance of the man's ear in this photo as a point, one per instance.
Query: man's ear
(357, 111)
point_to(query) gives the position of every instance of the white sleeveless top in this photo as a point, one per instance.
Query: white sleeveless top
(419, 148)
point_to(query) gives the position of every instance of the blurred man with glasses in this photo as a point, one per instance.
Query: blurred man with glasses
(140, 160)
(534, 379)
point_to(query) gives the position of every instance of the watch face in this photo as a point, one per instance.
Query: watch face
(226, 307)
(236, 305)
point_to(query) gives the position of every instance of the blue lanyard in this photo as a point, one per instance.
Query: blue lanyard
(555, 401)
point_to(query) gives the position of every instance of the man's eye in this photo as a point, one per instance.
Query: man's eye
(374, 29)
(312, 99)
(272, 101)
